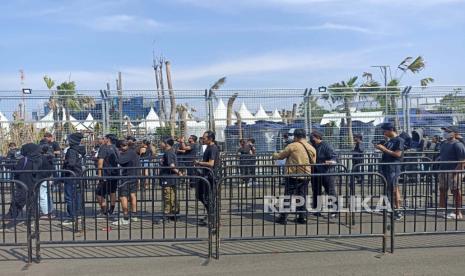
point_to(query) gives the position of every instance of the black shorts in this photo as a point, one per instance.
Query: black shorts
(391, 173)
(126, 188)
(107, 187)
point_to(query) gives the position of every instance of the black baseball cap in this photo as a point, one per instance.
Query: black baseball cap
(388, 126)
(317, 134)
(454, 129)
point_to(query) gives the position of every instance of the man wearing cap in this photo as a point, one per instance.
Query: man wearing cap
(325, 157)
(451, 150)
(299, 156)
(392, 151)
(73, 162)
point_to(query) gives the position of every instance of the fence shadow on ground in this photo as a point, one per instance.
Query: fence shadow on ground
(110, 251)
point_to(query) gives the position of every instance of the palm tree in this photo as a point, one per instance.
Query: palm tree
(389, 103)
(345, 92)
(53, 105)
(67, 100)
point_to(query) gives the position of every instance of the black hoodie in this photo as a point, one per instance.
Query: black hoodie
(31, 160)
(73, 158)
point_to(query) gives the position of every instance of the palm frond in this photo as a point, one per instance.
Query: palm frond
(426, 81)
(404, 64)
(417, 65)
(368, 76)
(217, 85)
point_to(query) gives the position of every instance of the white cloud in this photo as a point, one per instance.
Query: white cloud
(123, 23)
(275, 62)
(341, 27)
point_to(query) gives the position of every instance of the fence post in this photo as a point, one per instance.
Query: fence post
(307, 120)
(406, 108)
(104, 119)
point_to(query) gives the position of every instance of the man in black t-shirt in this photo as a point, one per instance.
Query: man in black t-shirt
(189, 153)
(54, 147)
(210, 160)
(245, 161)
(451, 150)
(169, 168)
(107, 162)
(357, 156)
(129, 161)
(393, 151)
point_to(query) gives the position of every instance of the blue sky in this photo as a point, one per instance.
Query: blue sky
(255, 43)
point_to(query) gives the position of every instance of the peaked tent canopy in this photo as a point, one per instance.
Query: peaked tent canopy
(261, 114)
(276, 117)
(246, 116)
(4, 124)
(151, 122)
(221, 114)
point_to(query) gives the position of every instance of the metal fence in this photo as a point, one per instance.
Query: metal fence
(265, 114)
(240, 211)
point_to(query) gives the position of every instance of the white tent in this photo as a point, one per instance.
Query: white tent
(4, 124)
(89, 122)
(246, 116)
(261, 114)
(221, 114)
(151, 122)
(375, 117)
(46, 122)
(276, 117)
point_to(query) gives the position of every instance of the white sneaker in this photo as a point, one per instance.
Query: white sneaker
(134, 219)
(121, 221)
(454, 216)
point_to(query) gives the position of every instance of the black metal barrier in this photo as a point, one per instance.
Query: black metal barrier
(242, 210)
(237, 211)
(433, 205)
(149, 223)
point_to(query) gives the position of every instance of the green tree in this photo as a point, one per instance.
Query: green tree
(345, 92)
(453, 103)
(388, 101)
(67, 99)
(317, 110)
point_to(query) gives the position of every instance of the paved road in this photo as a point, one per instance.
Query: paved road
(420, 255)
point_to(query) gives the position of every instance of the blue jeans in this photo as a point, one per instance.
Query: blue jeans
(73, 198)
(45, 199)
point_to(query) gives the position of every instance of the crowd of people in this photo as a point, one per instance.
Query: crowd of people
(122, 168)
(319, 156)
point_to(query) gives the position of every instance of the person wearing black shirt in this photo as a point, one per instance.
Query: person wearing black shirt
(210, 160)
(357, 156)
(107, 166)
(146, 155)
(253, 158)
(31, 161)
(73, 162)
(129, 161)
(451, 150)
(189, 153)
(392, 151)
(245, 161)
(13, 152)
(168, 184)
(325, 157)
(54, 147)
